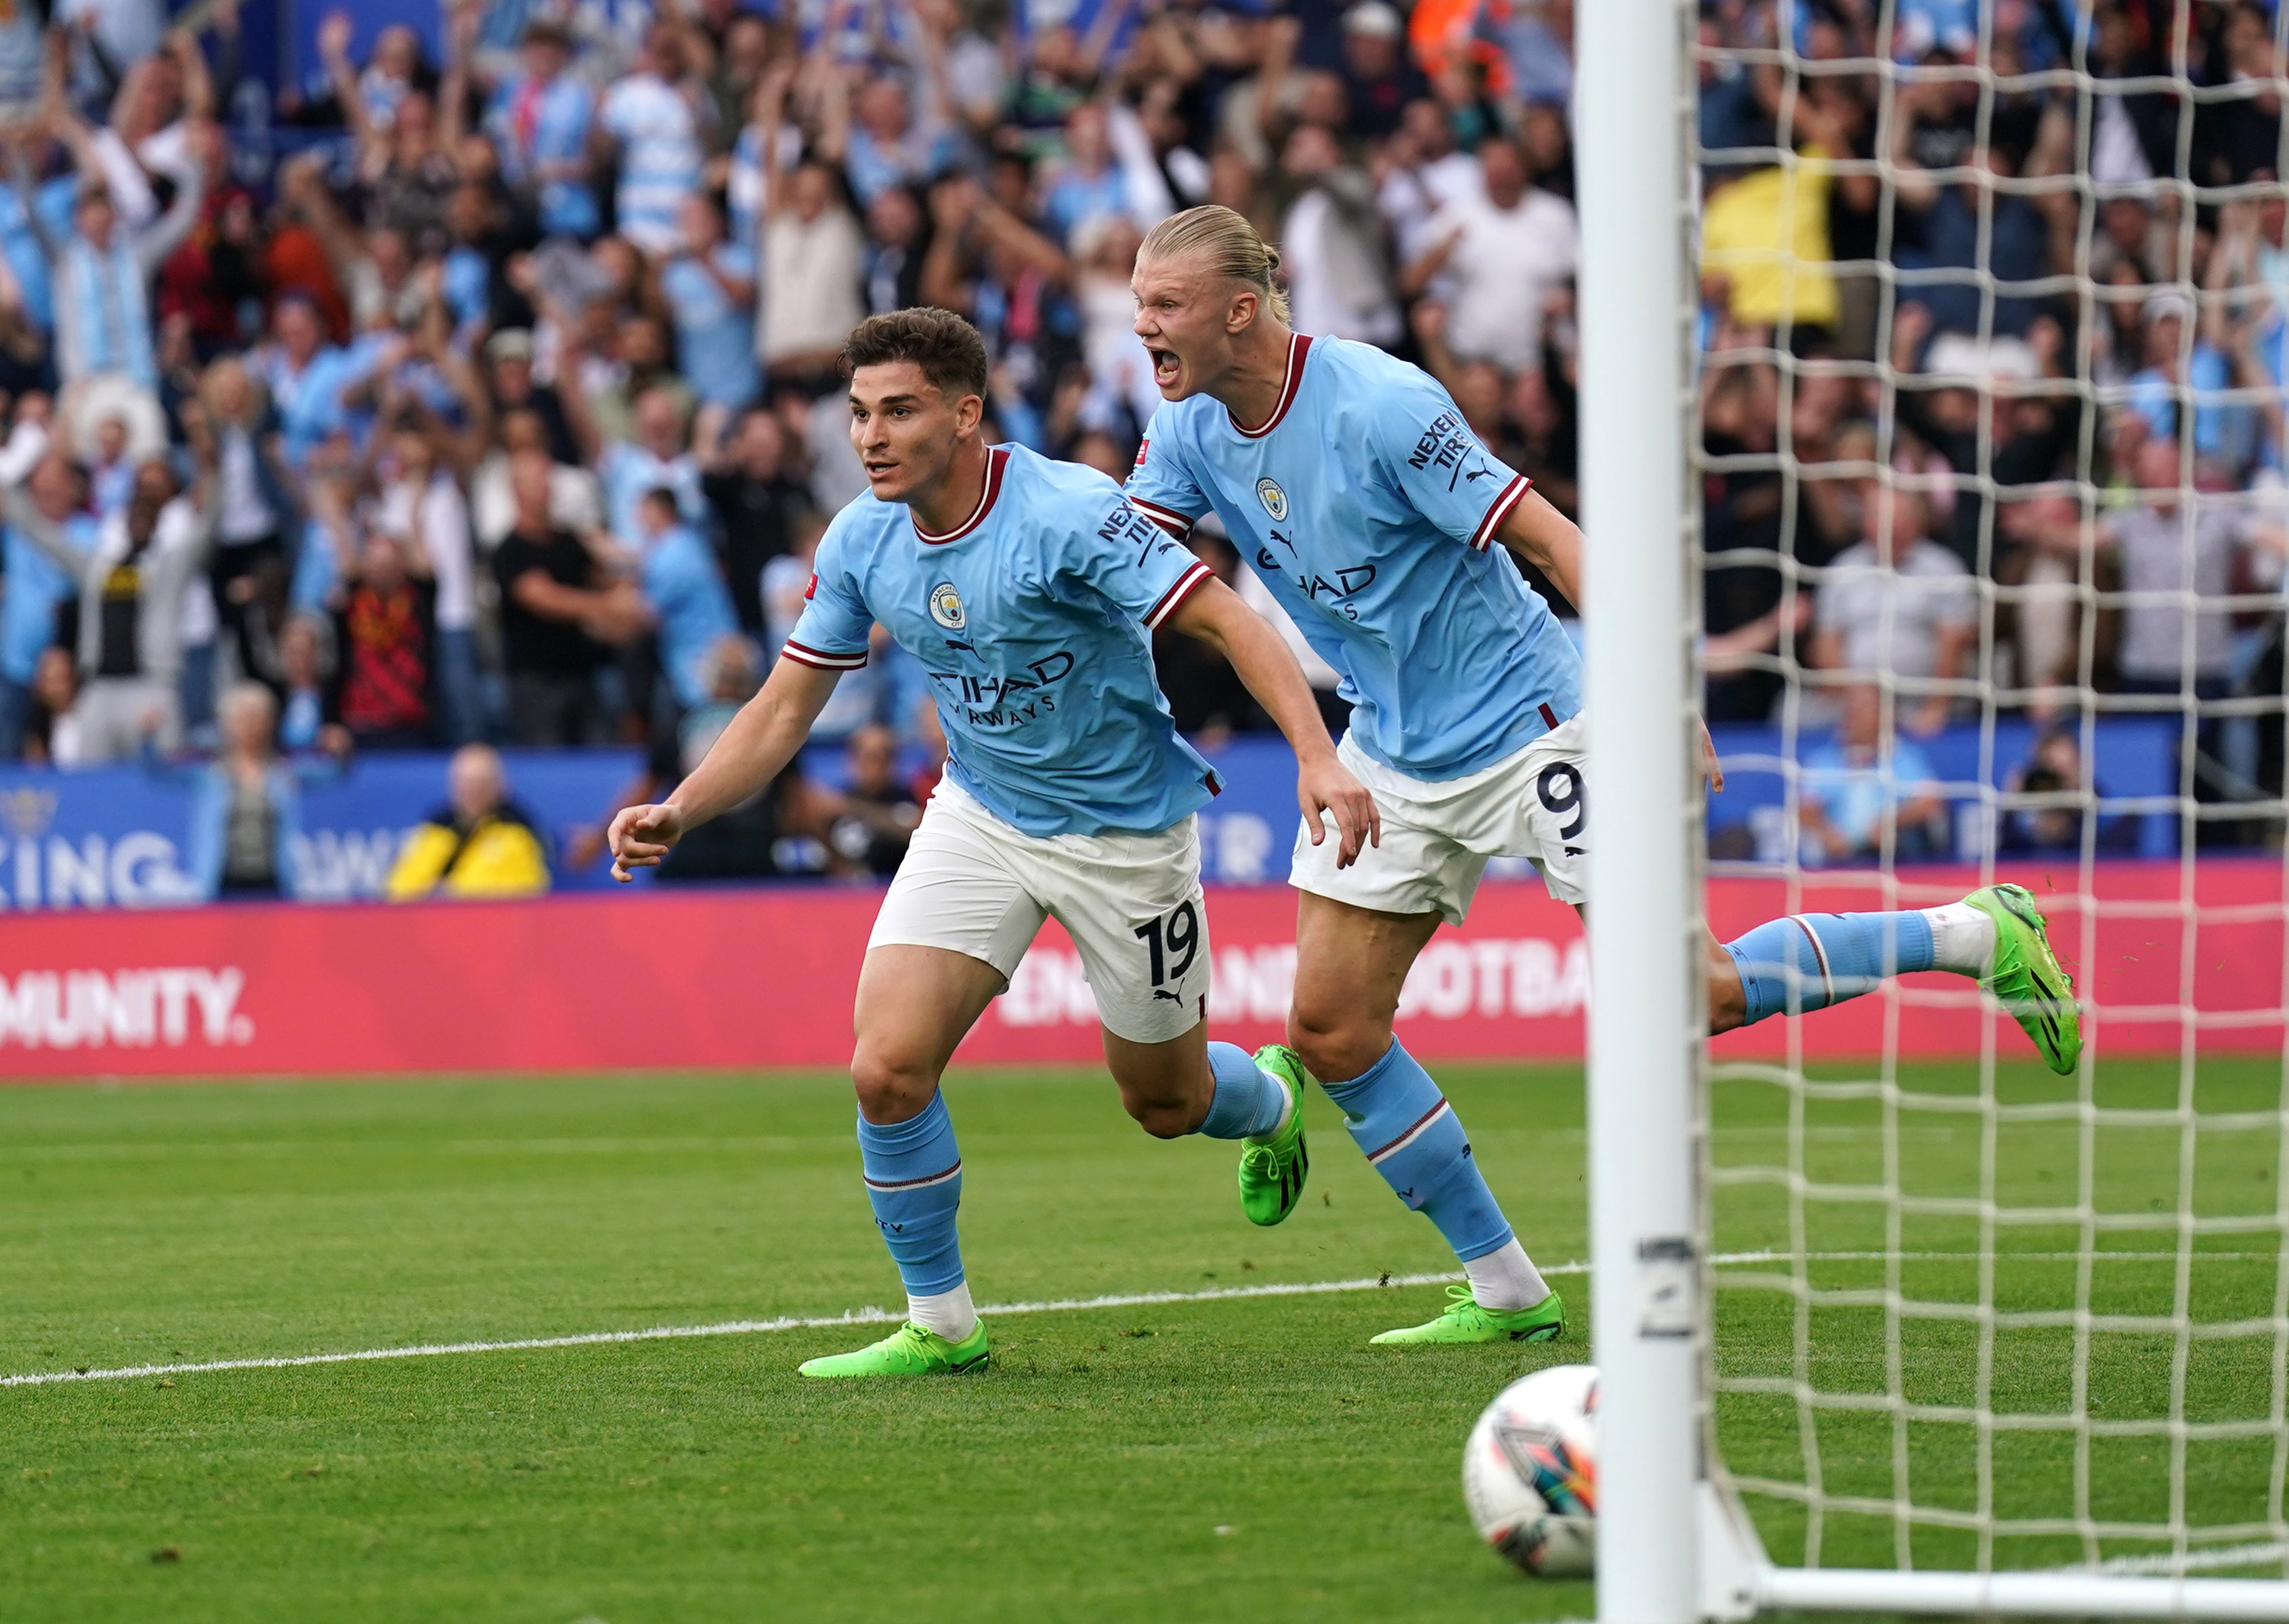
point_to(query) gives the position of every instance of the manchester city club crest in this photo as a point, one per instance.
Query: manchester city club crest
(946, 607)
(1274, 499)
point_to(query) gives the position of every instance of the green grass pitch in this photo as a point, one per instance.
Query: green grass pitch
(1206, 1459)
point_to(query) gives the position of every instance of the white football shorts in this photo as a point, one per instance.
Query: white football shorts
(1132, 903)
(1437, 837)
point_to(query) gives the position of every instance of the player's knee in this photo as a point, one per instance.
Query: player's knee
(1161, 1109)
(1337, 1048)
(1163, 1117)
(890, 1088)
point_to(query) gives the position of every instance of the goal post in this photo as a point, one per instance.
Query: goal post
(2021, 1372)
(1644, 1280)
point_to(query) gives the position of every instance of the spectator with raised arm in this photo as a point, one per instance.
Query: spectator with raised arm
(102, 273)
(648, 134)
(708, 285)
(258, 512)
(423, 507)
(1494, 259)
(401, 161)
(812, 250)
(542, 120)
(304, 377)
(1339, 277)
(133, 580)
(872, 131)
(38, 586)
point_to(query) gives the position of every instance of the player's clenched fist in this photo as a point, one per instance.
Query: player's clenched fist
(641, 836)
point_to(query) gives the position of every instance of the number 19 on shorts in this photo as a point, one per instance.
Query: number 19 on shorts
(1172, 941)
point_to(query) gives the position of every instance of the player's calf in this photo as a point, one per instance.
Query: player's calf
(912, 1170)
(1410, 1134)
(1809, 961)
(1399, 1117)
(1167, 1087)
(1188, 1084)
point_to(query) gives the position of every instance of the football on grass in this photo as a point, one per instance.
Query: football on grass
(1530, 1472)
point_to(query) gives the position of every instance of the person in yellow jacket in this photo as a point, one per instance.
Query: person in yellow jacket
(480, 844)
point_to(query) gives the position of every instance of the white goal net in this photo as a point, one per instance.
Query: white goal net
(1987, 451)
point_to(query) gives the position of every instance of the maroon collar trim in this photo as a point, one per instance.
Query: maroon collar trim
(1298, 345)
(996, 459)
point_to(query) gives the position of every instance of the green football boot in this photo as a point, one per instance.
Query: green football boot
(907, 1351)
(2026, 978)
(1272, 1170)
(1464, 1321)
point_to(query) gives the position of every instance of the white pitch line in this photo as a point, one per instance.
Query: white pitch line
(736, 1327)
(882, 1317)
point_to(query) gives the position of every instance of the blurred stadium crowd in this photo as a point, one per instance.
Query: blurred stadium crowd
(1992, 400)
(505, 410)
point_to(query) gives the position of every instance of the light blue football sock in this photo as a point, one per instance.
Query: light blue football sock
(1410, 1133)
(913, 1181)
(1248, 1101)
(1808, 961)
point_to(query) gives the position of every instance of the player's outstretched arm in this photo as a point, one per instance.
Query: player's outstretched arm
(1552, 543)
(1215, 615)
(761, 741)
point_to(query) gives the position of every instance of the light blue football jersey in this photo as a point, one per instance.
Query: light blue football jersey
(1371, 509)
(1034, 620)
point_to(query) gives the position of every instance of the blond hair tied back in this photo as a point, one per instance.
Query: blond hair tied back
(1230, 245)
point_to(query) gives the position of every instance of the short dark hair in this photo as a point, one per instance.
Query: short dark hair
(947, 349)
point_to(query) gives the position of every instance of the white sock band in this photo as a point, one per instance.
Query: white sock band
(1963, 939)
(1290, 1100)
(951, 1313)
(1505, 1278)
